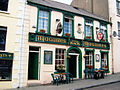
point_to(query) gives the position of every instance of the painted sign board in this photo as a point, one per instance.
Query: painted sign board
(43, 38)
(6, 55)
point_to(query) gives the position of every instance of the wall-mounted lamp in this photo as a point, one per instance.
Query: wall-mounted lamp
(79, 24)
(57, 20)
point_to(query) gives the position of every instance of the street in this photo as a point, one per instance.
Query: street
(114, 86)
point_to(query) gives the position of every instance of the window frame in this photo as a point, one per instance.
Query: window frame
(105, 52)
(71, 18)
(118, 7)
(49, 20)
(10, 69)
(51, 57)
(58, 58)
(92, 28)
(118, 30)
(6, 8)
(93, 58)
(5, 31)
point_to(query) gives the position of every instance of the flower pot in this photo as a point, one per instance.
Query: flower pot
(67, 34)
(42, 31)
(89, 37)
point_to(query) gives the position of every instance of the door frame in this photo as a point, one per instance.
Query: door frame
(77, 66)
(79, 60)
(39, 59)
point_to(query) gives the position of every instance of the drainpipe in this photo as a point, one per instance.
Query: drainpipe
(112, 46)
(22, 46)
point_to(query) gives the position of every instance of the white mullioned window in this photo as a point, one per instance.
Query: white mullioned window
(104, 60)
(88, 28)
(59, 58)
(43, 23)
(89, 59)
(68, 25)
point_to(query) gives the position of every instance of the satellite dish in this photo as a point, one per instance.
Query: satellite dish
(114, 33)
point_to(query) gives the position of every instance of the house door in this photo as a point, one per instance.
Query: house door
(73, 65)
(33, 66)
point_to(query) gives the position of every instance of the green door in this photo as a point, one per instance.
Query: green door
(33, 66)
(73, 65)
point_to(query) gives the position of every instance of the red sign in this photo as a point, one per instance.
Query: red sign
(100, 36)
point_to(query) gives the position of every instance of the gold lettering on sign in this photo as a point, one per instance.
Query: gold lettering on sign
(40, 38)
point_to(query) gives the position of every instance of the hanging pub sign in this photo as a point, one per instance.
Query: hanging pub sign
(100, 36)
(59, 28)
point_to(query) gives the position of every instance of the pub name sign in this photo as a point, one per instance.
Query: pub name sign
(43, 38)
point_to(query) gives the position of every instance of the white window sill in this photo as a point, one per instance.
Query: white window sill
(5, 12)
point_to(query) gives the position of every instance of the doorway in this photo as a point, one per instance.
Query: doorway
(73, 65)
(33, 70)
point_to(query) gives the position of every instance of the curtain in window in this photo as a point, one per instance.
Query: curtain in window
(43, 21)
(68, 25)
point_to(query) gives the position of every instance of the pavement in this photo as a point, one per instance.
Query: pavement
(77, 84)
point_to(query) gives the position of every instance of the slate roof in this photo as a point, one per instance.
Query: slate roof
(65, 7)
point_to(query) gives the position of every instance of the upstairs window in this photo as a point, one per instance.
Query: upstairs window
(88, 29)
(103, 29)
(3, 31)
(68, 24)
(119, 30)
(4, 5)
(43, 22)
(118, 7)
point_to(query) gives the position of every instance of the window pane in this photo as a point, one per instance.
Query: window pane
(88, 28)
(68, 25)
(59, 58)
(43, 20)
(4, 5)
(3, 31)
(5, 69)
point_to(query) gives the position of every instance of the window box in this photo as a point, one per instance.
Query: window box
(88, 37)
(67, 34)
(42, 30)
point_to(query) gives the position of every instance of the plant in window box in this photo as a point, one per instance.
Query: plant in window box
(88, 37)
(68, 34)
(42, 30)
(61, 68)
(89, 67)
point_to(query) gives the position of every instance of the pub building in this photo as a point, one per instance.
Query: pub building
(62, 35)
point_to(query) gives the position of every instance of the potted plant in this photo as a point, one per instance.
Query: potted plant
(61, 68)
(68, 34)
(103, 39)
(42, 30)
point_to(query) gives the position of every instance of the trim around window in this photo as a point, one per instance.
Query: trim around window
(91, 50)
(72, 31)
(107, 52)
(48, 57)
(49, 21)
(92, 35)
